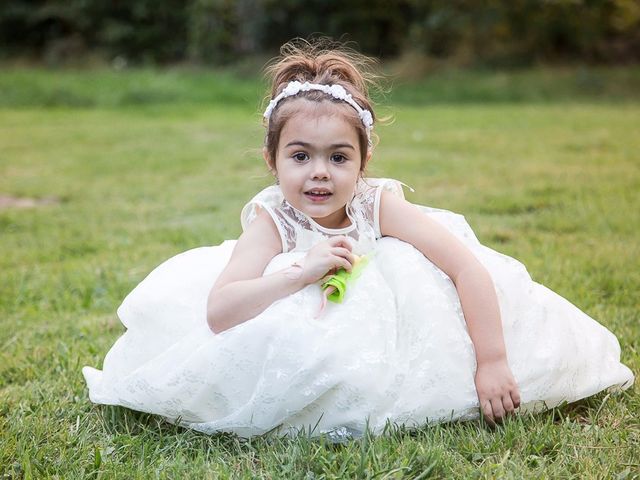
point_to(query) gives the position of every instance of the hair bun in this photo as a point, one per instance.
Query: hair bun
(322, 60)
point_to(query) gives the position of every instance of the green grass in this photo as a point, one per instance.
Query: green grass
(554, 183)
(103, 88)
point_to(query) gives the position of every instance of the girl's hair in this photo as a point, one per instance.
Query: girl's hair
(321, 61)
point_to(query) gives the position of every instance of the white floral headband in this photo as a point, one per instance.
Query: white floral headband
(337, 91)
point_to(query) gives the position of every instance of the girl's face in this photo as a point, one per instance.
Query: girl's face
(318, 163)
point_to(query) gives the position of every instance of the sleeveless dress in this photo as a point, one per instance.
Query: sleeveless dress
(395, 350)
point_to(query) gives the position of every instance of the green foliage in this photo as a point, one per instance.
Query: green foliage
(144, 31)
(520, 32)
(555, 186)
(377, 25)
(471, 32)
(214, 27)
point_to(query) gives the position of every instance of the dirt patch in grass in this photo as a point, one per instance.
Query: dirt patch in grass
(9, 201)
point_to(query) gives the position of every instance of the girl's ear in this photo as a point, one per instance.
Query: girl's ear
(267, 159)
(367, 158)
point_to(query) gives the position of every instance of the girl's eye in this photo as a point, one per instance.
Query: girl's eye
(300, 157)
(338, 158)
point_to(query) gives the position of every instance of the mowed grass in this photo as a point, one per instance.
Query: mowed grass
(554, 183)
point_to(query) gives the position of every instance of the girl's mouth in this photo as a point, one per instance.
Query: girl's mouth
(318, 195)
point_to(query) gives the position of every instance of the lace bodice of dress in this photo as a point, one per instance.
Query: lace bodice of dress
(298, 232)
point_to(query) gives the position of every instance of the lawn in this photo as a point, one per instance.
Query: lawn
(119, 171)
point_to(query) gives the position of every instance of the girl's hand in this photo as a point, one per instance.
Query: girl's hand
(325, 258)
(497, 390)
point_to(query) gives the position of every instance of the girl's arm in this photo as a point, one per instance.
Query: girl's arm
(497, 390)
(241, 292)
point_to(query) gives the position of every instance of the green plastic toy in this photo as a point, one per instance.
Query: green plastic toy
(335, 286)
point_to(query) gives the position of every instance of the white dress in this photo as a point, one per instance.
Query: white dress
(395, 350)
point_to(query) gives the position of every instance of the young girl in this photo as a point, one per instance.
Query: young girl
(435, 327)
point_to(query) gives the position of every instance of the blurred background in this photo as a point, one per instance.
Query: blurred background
(470, 33)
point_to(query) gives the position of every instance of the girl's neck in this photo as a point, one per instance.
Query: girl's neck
(336, 221)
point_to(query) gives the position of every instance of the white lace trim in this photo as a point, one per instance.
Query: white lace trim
(393, 186)
(298, 232)
(328, 231)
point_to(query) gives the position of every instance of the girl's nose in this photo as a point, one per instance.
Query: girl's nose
(319, 170)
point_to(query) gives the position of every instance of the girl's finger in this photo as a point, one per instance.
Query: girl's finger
(343, 252)
(507, 404)
(498, 410)
(487, 411)
(340, 241)
(515, 398)
(344, 263)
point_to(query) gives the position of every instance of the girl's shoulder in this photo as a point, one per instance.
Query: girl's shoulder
(367, 198)
(370, 186)
(269, 199)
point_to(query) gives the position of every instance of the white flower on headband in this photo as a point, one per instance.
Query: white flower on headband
(336, 91)
(292, 88)
(367, 119)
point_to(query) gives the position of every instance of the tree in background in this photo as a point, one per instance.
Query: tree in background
(61, 30)
(485, 32)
